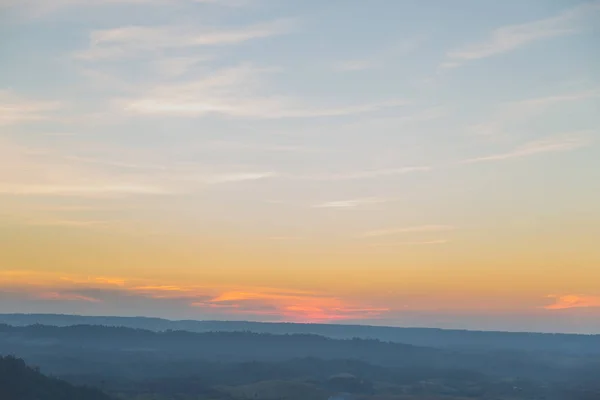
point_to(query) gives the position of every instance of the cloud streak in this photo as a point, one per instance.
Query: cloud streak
(573, 301)
(415, 243)
(509, 38)
(132, 40)
(523, 110)
(550, 145)
(235, 92)
(353, 203)
(367, 174)
(411, 229)
(15, 109)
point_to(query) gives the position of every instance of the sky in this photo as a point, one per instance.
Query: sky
(404, 163)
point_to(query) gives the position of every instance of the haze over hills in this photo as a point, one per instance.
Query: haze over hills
(431, 337)
(138, 364)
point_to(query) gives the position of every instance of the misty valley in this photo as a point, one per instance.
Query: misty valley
(147, 359)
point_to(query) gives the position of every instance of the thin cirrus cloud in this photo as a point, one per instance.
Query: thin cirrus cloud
(365, 174)
(253, 107)
(550, 145)
(413, 243)
(509, 38)
(573, 301)
(16, 109)
(239, 92)
(26, 171)
(99, 190)
(411, 229)
(353, 203)
(62, 296)
(514, 112)
(129, 41)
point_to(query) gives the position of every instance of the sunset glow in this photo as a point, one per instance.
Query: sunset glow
(283, 162)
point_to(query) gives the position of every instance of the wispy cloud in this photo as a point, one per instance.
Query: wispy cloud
(15, 109)
(353, 203)
(67, 222)
(44, 172)
(42, 8)
(411, 229)
(236, 177)
(367, 174)
(61, 296)
(244, 107)
(415, 243)
(81, 190)
(258, 147)
(236, 92)
(550, 145)
(512, 37)
(508, 114)
(131, 40)
(573, 301)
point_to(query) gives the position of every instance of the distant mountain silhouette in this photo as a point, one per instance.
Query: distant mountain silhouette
(430, 337)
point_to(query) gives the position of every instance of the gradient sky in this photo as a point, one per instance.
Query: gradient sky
(409, 162)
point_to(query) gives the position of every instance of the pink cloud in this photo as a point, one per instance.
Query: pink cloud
(573, 301)
(293, 306)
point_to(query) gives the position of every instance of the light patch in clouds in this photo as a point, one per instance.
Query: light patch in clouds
(573, 301)
(512, 37)
(132, 40)
(550, 145)
(411, 229)
(353, 203)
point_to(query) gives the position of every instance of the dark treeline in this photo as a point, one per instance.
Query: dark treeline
(445, 338)
(21, 382)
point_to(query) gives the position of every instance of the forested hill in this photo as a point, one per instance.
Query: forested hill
(42, 343)
(429, 337)
(21, 382)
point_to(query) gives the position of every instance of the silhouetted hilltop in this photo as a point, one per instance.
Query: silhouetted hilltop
(429, 337)
(21, 382)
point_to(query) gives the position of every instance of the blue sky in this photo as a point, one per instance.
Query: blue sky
(397, 125)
